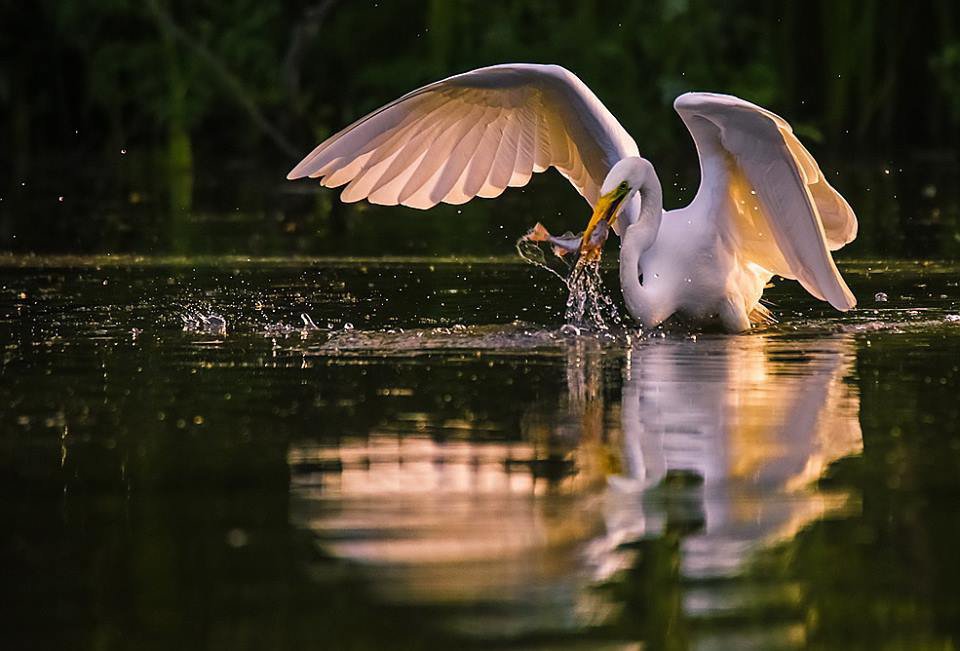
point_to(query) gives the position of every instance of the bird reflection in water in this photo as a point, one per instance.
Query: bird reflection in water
(756, 421)
(715, 444)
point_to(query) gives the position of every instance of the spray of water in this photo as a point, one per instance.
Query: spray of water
(589, 305)
(531, 253)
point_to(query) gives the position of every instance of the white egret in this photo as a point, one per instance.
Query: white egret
(763, 207)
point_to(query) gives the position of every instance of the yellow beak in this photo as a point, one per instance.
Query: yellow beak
(607, 208)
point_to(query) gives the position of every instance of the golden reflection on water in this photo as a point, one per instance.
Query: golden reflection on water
(757, 420)
(722, 438)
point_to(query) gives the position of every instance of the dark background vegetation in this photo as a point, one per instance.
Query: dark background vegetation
(167, 126)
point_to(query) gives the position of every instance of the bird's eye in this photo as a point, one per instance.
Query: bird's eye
(623, 185)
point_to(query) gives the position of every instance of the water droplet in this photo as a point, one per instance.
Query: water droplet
(880, 297)
(237, 538)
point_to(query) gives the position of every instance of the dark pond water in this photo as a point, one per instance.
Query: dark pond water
(306, 454)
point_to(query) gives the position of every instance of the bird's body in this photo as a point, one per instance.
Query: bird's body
(763, 207)
(696, 271)
(692, 271)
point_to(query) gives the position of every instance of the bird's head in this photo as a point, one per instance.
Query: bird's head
(623, 180)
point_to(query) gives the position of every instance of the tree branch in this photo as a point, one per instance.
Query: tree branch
(313, 19)
(230, 82)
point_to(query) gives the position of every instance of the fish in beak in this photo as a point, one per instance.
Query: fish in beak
(590, 242)
(562, 245)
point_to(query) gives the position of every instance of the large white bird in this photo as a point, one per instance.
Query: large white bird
(763, 207)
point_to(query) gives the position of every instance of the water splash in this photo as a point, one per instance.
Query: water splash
(203, 321)
(530, 252)
(589, 305)
(307, 328)
(308, 323)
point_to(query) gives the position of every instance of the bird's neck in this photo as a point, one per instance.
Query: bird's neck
(651, 212)
(641, 235)
(637, 238)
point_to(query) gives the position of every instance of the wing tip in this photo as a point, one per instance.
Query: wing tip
(846, 301)
(849, 305)
(696, 99)
(844, 307)
(299, 171)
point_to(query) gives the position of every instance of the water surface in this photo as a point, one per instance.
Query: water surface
(413, 453)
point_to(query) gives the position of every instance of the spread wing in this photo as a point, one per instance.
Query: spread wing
(473, 134)
(779, 208)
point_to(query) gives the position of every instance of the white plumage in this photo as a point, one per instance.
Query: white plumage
(474, 134)
(763, 207)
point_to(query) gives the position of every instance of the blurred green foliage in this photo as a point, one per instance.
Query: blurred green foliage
(203, 97)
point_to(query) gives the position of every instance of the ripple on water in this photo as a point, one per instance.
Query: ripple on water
(491, 338)
(524, 336)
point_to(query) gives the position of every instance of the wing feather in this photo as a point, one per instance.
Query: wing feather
(543, 156)
(839, 221)
(459, 159)
(482, 163)
(473, 134)
(334, 154)
(387, 190)
(502, 170)
(437, 156)
(526, 150)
